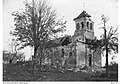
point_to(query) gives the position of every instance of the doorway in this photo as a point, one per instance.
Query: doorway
(90, 59)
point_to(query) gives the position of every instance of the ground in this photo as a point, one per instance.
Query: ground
(24, 72)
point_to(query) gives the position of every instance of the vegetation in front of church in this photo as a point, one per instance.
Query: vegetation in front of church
(22, 71)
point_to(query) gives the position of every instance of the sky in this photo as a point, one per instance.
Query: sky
(69, 9)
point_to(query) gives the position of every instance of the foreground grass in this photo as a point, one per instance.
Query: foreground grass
(24, 72)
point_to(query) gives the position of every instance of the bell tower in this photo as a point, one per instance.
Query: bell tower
(84, 26)
(84, 30)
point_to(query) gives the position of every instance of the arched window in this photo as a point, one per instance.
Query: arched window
(82, 25)
(63, 52)
(87, 25)
(77, 26)
(70, 54)
(91, 26)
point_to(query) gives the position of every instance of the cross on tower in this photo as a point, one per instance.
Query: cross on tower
(83, 6)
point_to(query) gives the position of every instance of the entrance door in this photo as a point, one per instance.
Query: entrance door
(90, 59)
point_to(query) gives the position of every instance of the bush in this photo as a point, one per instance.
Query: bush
(113, 67)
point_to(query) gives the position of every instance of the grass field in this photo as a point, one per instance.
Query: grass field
(24, 72)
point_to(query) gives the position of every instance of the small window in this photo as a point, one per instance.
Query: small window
(50, 50)
(91, 26)
(79, 38)
(87, 25)
(70, 54)
(82, 25)
(77, 26)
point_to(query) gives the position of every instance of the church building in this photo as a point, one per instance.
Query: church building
(70, 51)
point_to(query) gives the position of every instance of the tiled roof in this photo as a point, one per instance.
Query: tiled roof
(83, 14)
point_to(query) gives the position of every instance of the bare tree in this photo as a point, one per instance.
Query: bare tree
(110, 40)
(107, 43)
(37, 25)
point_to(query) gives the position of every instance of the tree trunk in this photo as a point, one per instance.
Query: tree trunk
(107, 74)
(75, 54)
(35, 51)
(41, 56)
(106, 47)
(34, 59)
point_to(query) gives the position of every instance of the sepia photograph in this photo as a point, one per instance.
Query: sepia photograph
(60, 41)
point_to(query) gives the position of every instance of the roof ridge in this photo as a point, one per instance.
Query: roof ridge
(83, 14)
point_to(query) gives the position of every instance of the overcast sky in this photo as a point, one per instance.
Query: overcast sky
(70, 9)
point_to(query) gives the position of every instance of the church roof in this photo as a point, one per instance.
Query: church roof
(62, 41)
(83, 14)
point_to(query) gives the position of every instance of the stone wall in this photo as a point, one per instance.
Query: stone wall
(97, 58)
(54, 57)
(80, 58)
